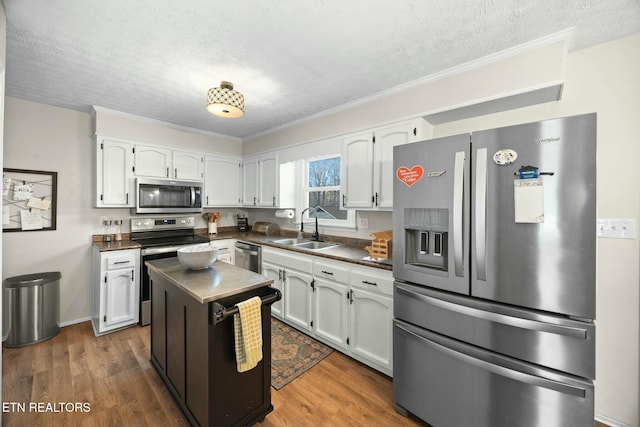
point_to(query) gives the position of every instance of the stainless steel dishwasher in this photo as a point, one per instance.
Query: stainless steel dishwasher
(249, 256)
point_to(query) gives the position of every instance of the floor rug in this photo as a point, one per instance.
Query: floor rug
(292, 353)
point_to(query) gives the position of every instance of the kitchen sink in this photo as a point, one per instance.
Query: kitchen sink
(306, 244)
(289, 242)
(315, 246)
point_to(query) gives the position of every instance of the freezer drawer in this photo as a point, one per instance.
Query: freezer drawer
(548, 340)
(451, 384)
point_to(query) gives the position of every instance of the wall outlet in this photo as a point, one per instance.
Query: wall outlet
(363, 223)
(617, 228)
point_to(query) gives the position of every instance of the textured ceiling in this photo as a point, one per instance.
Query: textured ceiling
(290, 58)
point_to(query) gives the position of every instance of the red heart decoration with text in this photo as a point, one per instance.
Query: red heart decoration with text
(409, 176)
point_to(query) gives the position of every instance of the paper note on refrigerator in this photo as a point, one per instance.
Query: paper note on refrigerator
(528, 200)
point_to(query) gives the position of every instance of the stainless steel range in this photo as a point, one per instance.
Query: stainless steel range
(160, 238)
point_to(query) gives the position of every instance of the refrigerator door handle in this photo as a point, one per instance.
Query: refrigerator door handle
(481, 214)
(458, 208)
(497, 369)
(489, 316)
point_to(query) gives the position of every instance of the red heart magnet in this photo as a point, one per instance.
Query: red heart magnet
(409, 176)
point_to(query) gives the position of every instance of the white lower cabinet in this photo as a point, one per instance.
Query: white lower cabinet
(274, 272)
(347, 307)
(297, 304)
(371, 317)
(330, 320)
(331, 303)
(116, 289)
(291, 274)
(226, 250)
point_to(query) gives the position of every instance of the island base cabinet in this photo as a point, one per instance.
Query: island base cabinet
(195, 357)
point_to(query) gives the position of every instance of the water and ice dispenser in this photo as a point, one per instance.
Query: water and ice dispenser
(427, 238)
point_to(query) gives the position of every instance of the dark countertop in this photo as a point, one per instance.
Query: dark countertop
(220, 280)
(115, 245)
(346, 252)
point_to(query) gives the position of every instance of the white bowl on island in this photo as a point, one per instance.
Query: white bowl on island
(198, 257)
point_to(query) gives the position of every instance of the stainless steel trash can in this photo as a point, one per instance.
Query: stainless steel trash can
(31, 308)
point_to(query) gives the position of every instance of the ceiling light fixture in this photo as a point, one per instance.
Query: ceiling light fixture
(223, 101)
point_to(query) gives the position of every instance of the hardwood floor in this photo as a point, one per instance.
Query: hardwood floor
(109, 381)
(113, 377)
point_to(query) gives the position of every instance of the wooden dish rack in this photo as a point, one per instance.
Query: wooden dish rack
(381, 245)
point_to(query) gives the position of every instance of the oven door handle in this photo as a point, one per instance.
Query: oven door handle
(159, 250)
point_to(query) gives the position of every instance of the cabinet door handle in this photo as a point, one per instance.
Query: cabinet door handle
(167, 172)
(274, 200)
(344, 202)
(127, 198)
(330, 273)
(376, 199)
(207, 199)
(121, 262)
(132, 278)
(254, 200)
(176, 172)
(366, 282)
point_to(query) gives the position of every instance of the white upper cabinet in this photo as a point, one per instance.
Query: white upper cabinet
(383, 173)
(222, 181)
(114, 173)
(260, 181)
(153, 161)
(268, 172)
(188, 165)
(250, 181)
(357, 170)
(161, 162)
(367, 163)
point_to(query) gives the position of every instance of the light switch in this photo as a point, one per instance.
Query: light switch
(617, 228)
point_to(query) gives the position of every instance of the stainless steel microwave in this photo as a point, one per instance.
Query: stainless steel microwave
(168, 196)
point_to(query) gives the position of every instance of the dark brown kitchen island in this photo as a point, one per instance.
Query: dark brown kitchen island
(192, 341)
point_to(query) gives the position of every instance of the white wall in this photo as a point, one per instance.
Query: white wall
(40, 137)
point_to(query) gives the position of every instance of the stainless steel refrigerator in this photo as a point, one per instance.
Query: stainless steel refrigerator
(494, 264)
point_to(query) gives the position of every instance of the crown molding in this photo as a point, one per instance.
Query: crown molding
(97, 109)
(560, 36)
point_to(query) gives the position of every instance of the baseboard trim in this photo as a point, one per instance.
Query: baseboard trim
(73, 322)
(610, 422)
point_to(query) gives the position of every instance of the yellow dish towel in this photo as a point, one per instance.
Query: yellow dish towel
(247, 326)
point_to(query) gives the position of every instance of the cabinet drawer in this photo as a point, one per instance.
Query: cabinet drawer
(372, 280)
(331, 271)
(296, 262)
(121, 261)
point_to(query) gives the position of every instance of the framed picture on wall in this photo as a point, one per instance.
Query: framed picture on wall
(28, 200)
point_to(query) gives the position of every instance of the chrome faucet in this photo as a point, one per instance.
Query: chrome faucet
(315, 236)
